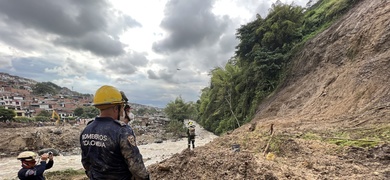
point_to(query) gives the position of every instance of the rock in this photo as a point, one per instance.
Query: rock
(158, 141)
(47, 150)
(58, 132)
(236, 148)
(163, 167)
(252, 127)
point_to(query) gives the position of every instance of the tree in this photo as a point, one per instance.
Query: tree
(6, 114)
(282, 26)
(44, 113)
(90, 112)
(78, 111)
(44, 88)
(254, 72)
(141, 111)
(178, 110)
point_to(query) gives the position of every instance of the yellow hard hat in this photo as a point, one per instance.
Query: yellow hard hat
(27, 156)
(107, 95)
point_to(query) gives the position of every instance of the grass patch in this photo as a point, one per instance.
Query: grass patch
(311, 136)
(381, 133)
(354, 143)
(65, 174)
(366, 137)
(276, 144)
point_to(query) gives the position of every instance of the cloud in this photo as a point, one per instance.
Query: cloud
(196, 40)
(152, 75)
(99, 44)
(126, 64)
(5, 62)
(154, 51)
(84, 25)
(189, 24)
(31, 68)
(69, 68)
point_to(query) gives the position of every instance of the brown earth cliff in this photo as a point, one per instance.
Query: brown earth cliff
(338, 94)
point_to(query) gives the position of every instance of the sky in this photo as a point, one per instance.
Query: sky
(153, 50)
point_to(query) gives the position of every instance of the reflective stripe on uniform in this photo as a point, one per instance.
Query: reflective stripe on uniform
(30, 172)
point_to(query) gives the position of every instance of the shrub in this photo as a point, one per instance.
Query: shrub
(176, 127)
(23, 119)
(41, 118)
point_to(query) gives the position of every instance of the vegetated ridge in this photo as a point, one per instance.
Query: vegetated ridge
(330, 118)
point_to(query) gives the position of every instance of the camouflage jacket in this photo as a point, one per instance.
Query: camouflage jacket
(109, 151)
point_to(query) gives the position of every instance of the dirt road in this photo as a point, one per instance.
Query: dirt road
(152, 153)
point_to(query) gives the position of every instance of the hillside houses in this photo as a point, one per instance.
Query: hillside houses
(16, 94)
(27, 105)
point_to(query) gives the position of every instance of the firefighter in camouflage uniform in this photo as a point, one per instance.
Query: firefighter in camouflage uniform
(109, 149)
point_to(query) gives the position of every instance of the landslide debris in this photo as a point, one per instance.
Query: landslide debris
(331, 116)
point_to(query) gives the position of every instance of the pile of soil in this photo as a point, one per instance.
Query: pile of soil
(24, 136)
(295, 158)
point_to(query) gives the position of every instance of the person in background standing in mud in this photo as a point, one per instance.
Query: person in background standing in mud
(31, 171)
(191, 135)
(108, 147)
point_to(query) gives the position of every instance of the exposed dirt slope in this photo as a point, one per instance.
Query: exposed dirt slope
(339, 91)
(342, 74)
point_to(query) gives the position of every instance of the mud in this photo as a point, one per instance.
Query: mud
(69, 158)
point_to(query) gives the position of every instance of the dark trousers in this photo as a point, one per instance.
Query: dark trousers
(191, 140)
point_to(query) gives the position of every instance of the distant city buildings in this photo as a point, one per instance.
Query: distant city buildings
(16, 94)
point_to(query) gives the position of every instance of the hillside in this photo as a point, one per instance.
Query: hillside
(16, 79)
(330, 118)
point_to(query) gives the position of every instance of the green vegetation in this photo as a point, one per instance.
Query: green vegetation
(6, 114)
(65, 174)
(358, 137)
(49, 88)
(261, 61)
(176, 127)
(23, 119)
(144, 111)
(78, 111)
(177, 111)
(355, 143)
(277, 144)
(180, 110)
(42, 118)
(45, 88)
(44, 113)
(311, 136)
(86, 112)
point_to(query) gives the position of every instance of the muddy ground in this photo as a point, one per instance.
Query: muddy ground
(291, 154)
(65, 143)
(296, 151)
(331, 116)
